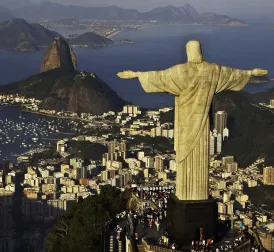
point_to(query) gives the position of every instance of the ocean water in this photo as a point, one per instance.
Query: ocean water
(22, 131)
(157, 47)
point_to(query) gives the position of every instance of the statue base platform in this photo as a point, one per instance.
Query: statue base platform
(190, 220)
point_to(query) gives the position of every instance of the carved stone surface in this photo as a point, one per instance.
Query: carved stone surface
(193, 84)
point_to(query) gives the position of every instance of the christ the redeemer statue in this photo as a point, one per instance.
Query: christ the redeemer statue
(193, 84)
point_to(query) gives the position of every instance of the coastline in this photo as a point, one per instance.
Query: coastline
(117, 32)
(56, 116)
(113, 34)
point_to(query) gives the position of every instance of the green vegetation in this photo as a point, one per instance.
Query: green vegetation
(251, 128)
(167, 116)
(157, 144)
(90, 39)
(81, 228)
(68, 91)
(49, 153)
(262, 194)
(17, 34)
(251, 131)
(114, 131)
(87, 150)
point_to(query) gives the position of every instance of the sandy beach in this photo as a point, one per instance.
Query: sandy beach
(113, 34)
(117, 32)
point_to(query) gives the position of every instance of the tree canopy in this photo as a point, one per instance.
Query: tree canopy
(87, 150)
(81, 228)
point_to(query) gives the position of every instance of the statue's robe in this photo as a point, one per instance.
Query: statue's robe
(193, 86)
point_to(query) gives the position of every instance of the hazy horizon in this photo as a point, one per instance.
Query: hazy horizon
(251, 11)
(232, 7)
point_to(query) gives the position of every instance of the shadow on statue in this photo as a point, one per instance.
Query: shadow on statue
(191, 220)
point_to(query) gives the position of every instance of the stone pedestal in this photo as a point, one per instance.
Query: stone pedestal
(187, 220)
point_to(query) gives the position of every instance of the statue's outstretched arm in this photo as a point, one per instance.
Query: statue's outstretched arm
(259, 72)
(162, 81)
(127, 74)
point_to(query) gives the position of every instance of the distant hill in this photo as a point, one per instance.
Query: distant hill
(213, 18)
(90, 39)
(61, 87)
(185, 14)
(250, 128)
(19, 35)
(68, 91)
(264, 96)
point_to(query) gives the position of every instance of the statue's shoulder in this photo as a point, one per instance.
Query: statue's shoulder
(182, 67)
(211, 65)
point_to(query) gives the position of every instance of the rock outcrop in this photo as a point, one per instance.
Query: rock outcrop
(59, 55)
(79, 92)
(61, 87)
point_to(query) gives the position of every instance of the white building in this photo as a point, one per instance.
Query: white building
(219, 143)
(211, 144)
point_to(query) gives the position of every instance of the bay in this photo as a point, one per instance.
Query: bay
(21, 131)
(157, 47)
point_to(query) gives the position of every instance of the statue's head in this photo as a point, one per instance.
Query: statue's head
(194, 51)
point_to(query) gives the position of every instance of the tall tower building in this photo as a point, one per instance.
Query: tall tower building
(211, 144)
(219, 143)
(122, 147)
(225, 134)
(220, 121)
(112, 146)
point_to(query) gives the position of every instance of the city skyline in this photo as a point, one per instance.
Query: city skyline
(90, 162)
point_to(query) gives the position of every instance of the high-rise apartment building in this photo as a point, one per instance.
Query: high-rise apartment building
(219, 143)
(268, 175)
(225, 134)
(131, 109)
(220, 121)
(172, 165)
(159, 163)
(211, 144)
(149, 161)
(114, 146)
(122, 147)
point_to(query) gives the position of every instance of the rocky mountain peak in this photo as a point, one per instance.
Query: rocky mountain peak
(190, 10)
(59, 55)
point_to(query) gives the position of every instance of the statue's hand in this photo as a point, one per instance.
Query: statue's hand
(259, 72)
(127, 75)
